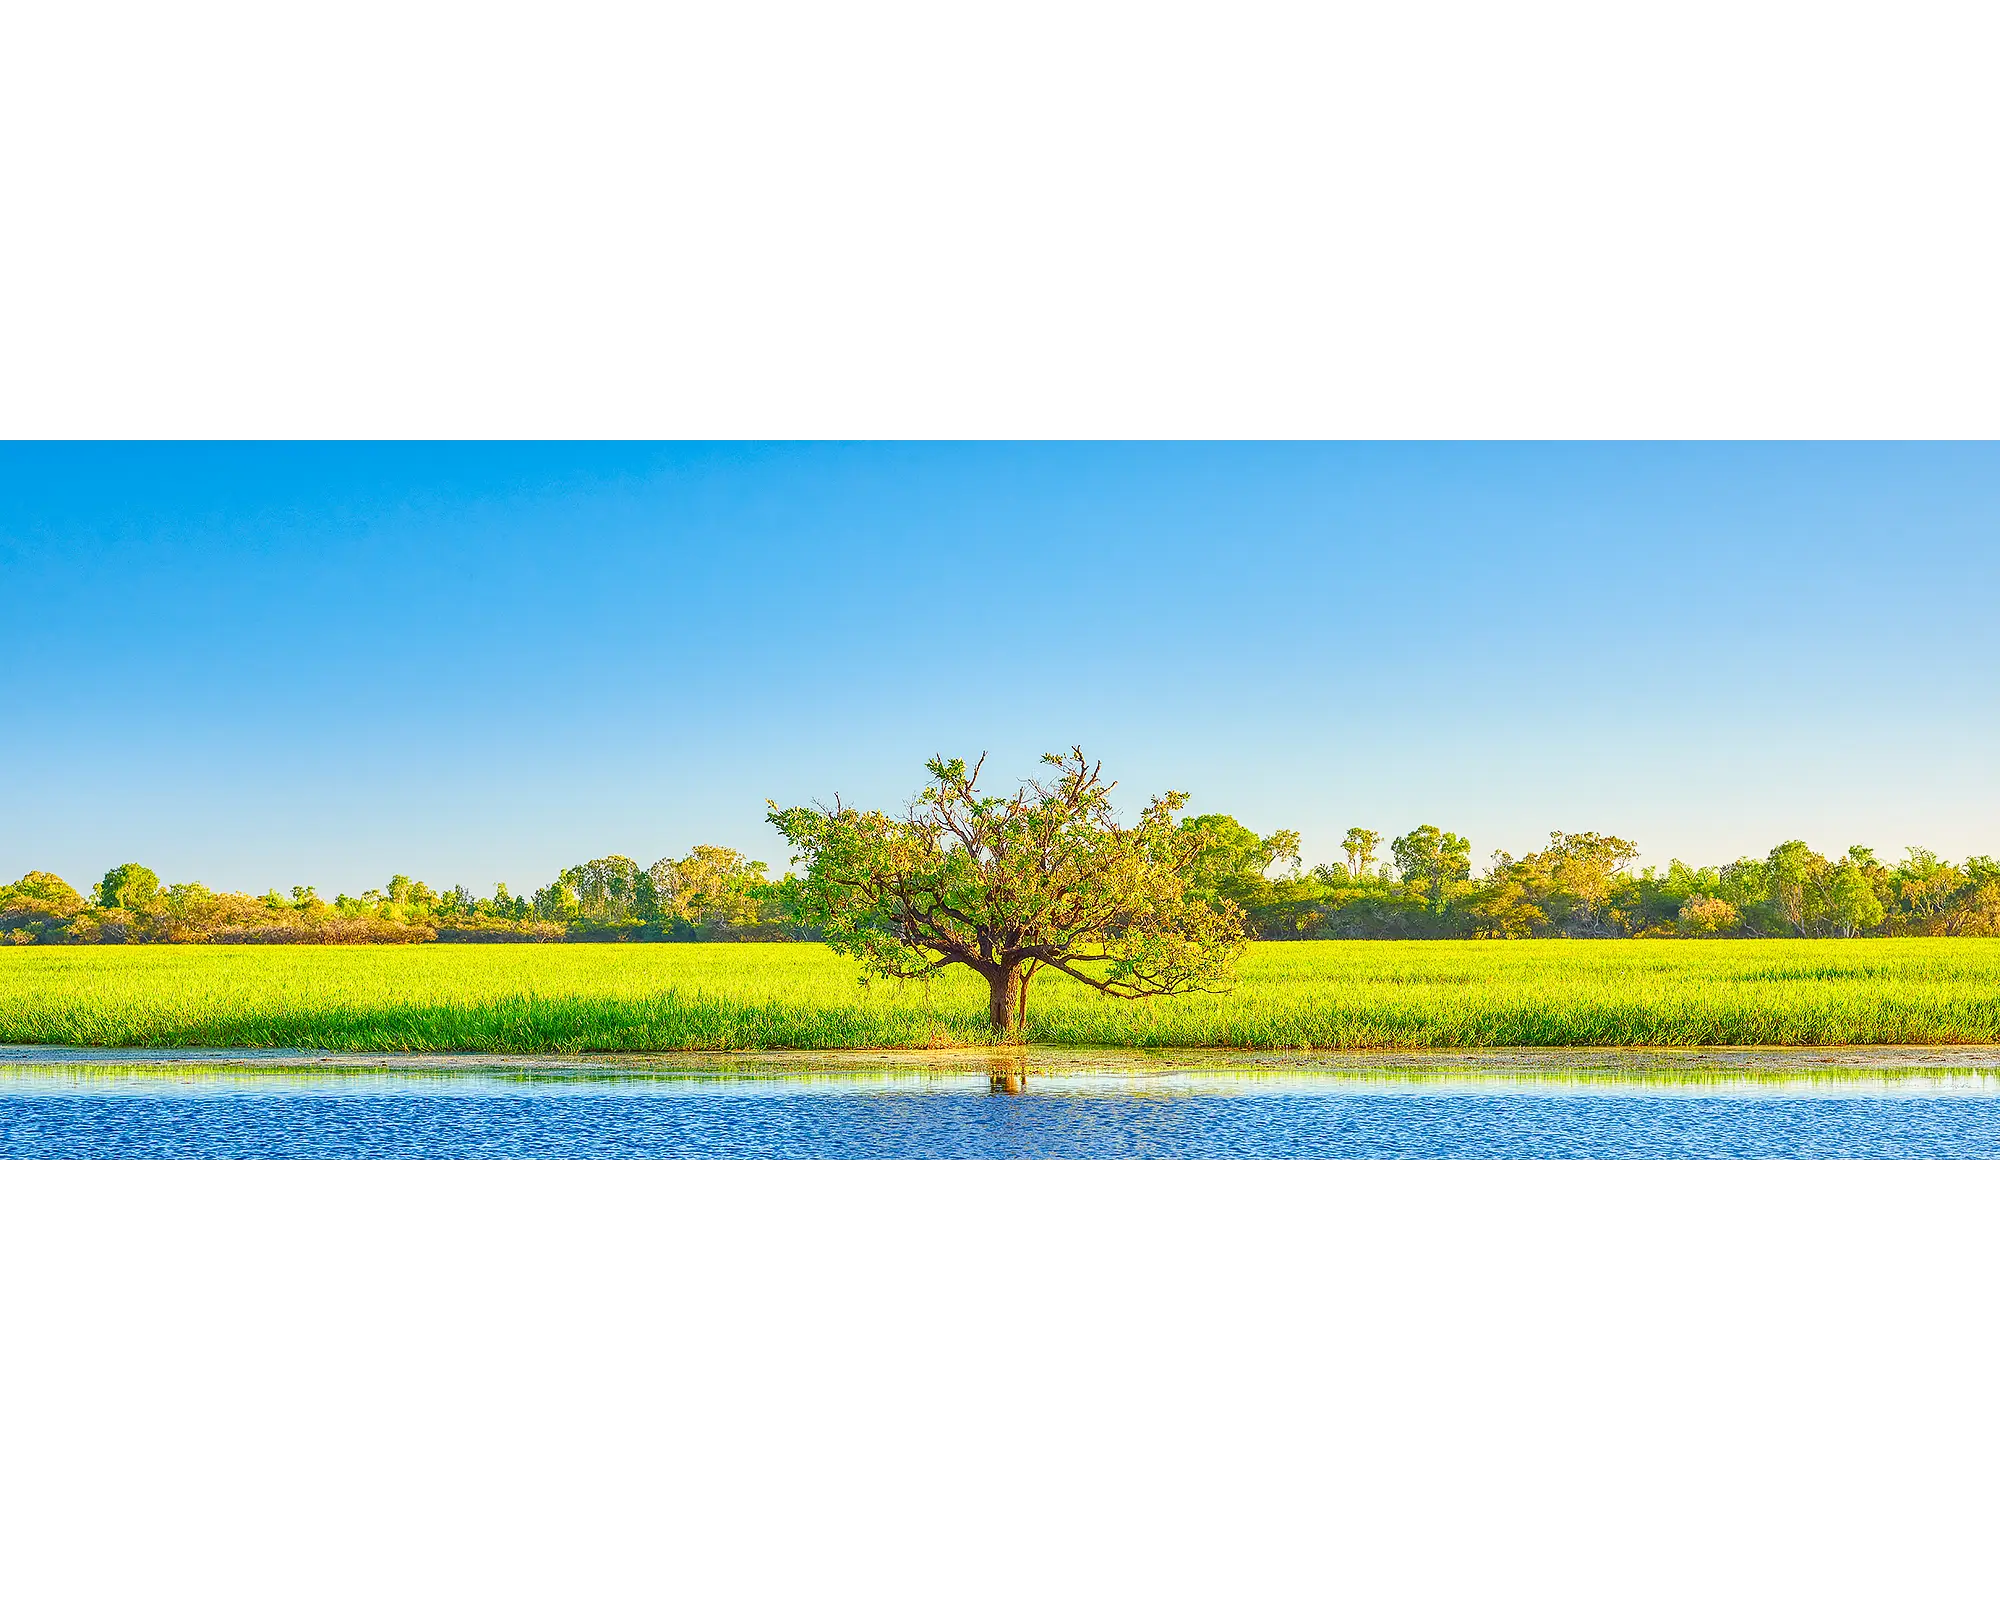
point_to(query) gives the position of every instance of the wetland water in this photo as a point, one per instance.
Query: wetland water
(1879, 1103)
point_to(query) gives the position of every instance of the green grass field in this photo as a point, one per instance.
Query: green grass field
(562, 998)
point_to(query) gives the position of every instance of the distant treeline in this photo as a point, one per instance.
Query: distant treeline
(1580, 886)
(711, 893)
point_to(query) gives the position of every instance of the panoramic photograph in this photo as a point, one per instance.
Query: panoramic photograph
(1002, 801)
(1069, 800)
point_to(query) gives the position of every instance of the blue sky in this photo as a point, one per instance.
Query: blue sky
(265, 665)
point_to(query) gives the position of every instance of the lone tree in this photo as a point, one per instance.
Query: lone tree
(1010, 884)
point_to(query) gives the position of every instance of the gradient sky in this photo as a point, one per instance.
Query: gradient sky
(268, 665)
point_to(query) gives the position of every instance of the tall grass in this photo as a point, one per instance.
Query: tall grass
(531, 999)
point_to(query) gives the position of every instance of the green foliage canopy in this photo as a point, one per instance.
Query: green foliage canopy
(1007, 884)
(40, 892)
(128, 888)
(1230, 864)
(1433, 860)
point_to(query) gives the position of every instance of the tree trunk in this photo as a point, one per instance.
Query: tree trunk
(1002, 990)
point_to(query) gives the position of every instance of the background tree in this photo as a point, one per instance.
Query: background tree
(1572, 882)
(606, 889)
(1745, 884)
(1430, 860)
(556, 903)
(1929, 886)
(1981, 896)
(504, 906)
(40, 894)
(187, 909)
(35, 907)
(646, 897)
(1703, 916)
(1233, 864)
(1009, 884)
(1359, 848)
(128, 888)
(408, 899)
(712, 890)
(1505, 910)
(1851, 905)
(1796, 884)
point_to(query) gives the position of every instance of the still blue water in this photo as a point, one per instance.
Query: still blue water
(1525, 1105)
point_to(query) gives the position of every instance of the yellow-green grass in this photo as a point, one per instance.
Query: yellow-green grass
(531, 999)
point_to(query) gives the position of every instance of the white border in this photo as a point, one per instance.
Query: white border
(1537, 1379)
(1076, 219)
